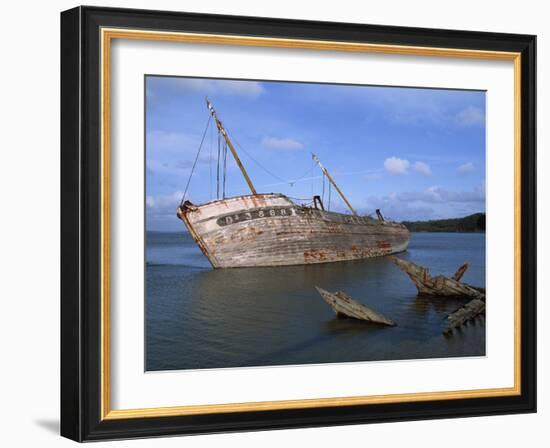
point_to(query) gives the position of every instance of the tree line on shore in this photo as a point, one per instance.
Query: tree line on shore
(470, 223)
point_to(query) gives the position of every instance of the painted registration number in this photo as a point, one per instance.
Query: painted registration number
(257, 214)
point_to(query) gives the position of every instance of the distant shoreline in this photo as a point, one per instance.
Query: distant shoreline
(468, 224)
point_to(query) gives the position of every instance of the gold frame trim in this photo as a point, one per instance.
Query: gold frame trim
(107, 35)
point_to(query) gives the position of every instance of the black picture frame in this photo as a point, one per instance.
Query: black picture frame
(81, 224)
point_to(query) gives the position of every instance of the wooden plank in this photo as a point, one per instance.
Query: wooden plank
(271, 230)
(460, 272)
(342, 304)
(439, 285)
(468, 312)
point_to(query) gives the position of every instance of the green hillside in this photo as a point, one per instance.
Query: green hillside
(471, 223)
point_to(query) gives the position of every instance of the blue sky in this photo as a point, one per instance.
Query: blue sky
(416, 154)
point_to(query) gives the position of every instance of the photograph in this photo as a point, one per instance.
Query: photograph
(296, 223)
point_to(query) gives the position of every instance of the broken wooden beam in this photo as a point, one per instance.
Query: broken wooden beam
(460, 272)
(468, 312)
(344, 305)
(439, 285)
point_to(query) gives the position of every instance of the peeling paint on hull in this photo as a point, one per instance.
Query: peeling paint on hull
(271, 230)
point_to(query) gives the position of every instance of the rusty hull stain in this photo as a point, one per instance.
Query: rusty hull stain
(315, 255)
(383, 244)
(268, 237)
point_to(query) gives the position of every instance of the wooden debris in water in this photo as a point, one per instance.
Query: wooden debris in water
(439, 285)
(343, 305)
(460, 272)
(468, 312)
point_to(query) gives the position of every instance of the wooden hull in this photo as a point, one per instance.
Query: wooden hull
(271, 230)
(468, 312)
(344, 305)
(439, 286)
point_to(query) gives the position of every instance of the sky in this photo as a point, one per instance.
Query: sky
(416, 154)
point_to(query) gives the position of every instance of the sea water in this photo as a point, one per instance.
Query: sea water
(198, 317)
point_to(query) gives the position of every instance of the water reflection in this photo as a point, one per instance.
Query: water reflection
(197, 317)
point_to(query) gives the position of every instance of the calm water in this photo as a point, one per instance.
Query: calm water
(197, 317)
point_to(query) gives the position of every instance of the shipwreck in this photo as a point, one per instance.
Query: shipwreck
(443, 286)
(440, 285)
(464, 314)
(344, 306)
(270, 229)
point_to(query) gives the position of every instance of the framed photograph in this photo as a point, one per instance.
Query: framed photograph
(273, 223)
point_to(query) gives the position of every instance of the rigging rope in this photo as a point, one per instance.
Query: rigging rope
(323, 194)
(210, 160)
(275, 176)
(218, 170)
(299, 199)
(196, 159)
(302, 176)
(329, 191)
(224, 167)
(313, 164)
(253, 159)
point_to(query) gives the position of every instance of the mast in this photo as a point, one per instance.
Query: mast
(326, 173)
(222, 131)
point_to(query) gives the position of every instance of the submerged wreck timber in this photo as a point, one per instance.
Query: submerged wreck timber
(464, 314)
(344, 306)
(442, 286)
(271, 230)
(439, 285)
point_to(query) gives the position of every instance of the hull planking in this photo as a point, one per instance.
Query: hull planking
(271, 230)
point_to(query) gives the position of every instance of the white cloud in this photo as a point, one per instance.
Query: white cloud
(288, 144)
(161, 211)
(436, 194)
(250, 89)
(394, 165)
(157, 140)
(163, 203)
(471, 116)
(423, 168)
(432, 203)
(419, 107)
(173, 153)
(466, 168)
(393, 210)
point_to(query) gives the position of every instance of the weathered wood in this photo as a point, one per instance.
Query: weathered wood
(332, 181)
(460, 272)
(344, 305)
(439, 285)
(271, 230)
(468, 312)
(223, 132)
